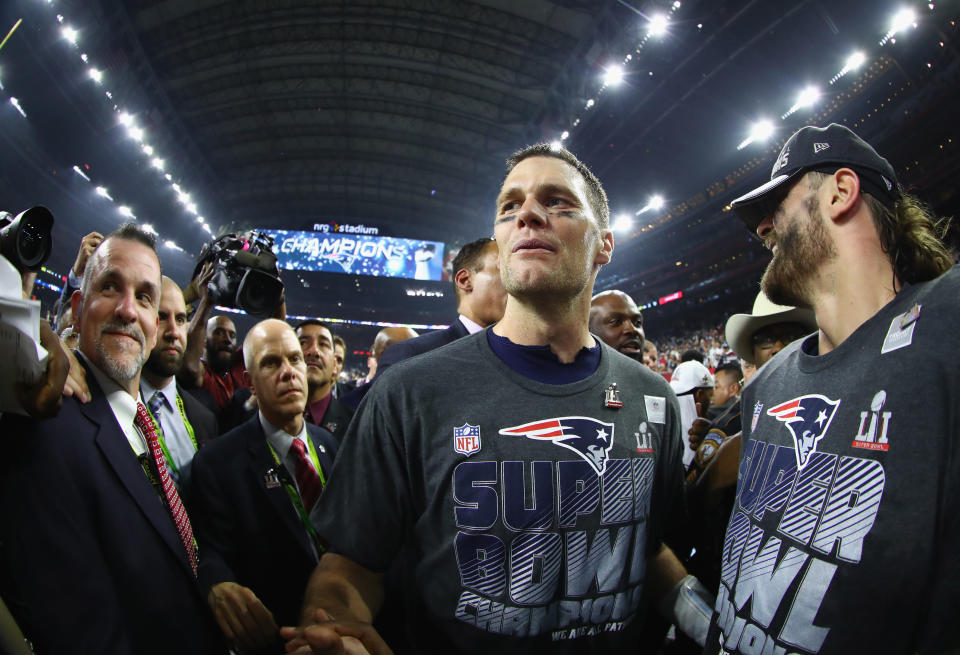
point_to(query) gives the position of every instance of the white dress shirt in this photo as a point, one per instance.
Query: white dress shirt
(472, 327)
(281, 440)
(123, 405)
(175, 434)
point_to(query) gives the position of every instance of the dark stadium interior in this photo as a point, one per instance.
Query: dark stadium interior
(399, 115)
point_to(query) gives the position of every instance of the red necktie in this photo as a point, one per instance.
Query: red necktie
(307, 478)
(177, 510)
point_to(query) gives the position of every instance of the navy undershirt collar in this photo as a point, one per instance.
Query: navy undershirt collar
(540, 364)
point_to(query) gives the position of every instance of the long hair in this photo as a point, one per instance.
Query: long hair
(912, 237)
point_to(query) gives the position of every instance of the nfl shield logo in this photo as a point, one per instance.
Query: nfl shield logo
(466, 439)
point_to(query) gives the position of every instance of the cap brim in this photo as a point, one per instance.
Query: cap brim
(740, 328)
(754, 206)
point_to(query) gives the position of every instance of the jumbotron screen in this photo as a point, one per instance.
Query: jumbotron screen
(358, 254)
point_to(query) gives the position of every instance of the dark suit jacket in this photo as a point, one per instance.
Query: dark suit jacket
(405, 350)
(336, 419)
(419, 345)
(204, 421)
(248, 533)
(91, 561)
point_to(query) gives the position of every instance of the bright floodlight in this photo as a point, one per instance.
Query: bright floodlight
(563, 137)
(590, 103)
(658, 25)
(16, 103)
(192, 208)
(808, 96)
(157, 163)
(622, 223)
(146, 227)
(69, 34)
(125, 211)
(206, 227)
(855, 61)
(169, 243)
(125, 119)
(136, 133)
(760, 131)
(656, 203)
(147, 150)
(101, 191)
(201, 219)
(613, 76)
(95, 75)
(555, 145)
(902, 20)
(184, 198)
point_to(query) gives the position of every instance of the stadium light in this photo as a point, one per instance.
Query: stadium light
(658, 25)
(125, 119)
(761, 131)
(95, 75)
(201, 219)
(146, 227)
(147, 150)
(102, 191)
(654, 204)
(192, 208)
(16, 103)
(613, 76)
(805, 98)
(125, 211)
(902, 20)
(555, 145)
(69, 34)
(157, 163)
(76, 169)
(135, 133)
(623, 223)
(855, 61)
(563, 137)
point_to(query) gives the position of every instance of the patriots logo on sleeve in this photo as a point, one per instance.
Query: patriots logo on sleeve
(588, 437)
(808, 418)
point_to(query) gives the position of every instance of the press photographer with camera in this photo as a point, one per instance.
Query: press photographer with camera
(234, 270)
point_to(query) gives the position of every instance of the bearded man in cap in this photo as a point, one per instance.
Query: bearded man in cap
(842, 516)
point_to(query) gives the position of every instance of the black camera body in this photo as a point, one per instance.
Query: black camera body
(25, 238)
(245, 272)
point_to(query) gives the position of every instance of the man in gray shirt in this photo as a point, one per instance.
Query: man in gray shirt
(526, 472)
(844, 531)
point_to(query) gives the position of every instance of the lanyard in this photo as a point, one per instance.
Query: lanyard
(294, 495)
(163, 442)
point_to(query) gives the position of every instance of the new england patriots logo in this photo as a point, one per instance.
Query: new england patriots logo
(808, 418)
(588, 437)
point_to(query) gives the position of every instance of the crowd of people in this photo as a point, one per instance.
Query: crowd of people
(537, 478)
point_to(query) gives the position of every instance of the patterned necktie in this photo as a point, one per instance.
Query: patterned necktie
(307, 478)
(177, 510)
(155, 403)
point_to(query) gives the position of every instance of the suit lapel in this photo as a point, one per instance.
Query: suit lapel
(261, 461)
(116, 450)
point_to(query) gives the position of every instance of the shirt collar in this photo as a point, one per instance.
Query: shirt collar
(280, 439)
(472, 327)
(169, 391)
(124, 405)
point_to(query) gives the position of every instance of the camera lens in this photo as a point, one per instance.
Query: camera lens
(30, 244)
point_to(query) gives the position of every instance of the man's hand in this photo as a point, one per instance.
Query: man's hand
(197, 289)
(43, 399)
(76, 384)
(330, 637)
(244, 620)
(87, 246)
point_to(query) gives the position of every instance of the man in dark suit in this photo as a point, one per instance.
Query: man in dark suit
(185, 424)
(481, 300)
(252, 490)
(323, 409)
(97, 552)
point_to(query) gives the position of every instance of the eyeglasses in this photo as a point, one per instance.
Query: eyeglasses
(783, 333)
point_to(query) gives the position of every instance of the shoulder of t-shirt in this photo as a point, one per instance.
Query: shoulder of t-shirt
(939, 294)
(426, 366)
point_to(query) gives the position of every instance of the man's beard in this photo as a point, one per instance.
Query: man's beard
(802, 247)
(162, 366)
(548, 286)
(219, 360)
(121, 372)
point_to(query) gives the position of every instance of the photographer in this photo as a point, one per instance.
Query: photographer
(212, 360)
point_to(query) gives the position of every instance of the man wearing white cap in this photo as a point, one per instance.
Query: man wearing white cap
(845, 526)
(693, 384)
